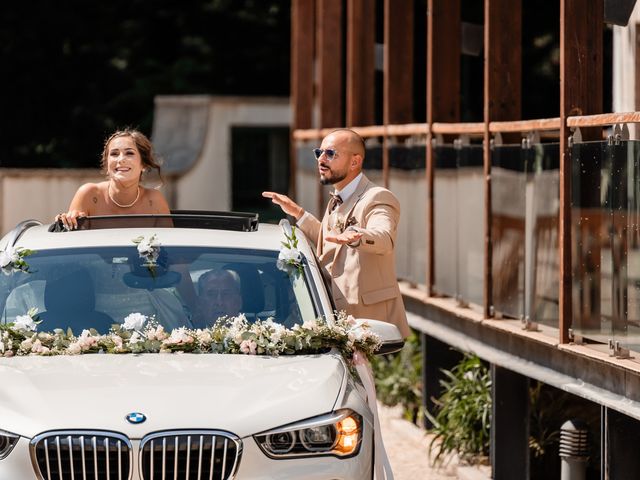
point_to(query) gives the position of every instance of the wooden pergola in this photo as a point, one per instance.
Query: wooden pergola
(329, 33)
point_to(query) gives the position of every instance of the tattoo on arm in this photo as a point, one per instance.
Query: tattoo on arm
(95, 200)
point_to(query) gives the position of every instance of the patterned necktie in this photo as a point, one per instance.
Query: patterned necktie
(334, 201)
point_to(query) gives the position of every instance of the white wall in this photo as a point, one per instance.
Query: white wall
(624, 64)
(207, 184)
(39, 194)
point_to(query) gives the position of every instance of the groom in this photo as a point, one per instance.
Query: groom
(355, 239)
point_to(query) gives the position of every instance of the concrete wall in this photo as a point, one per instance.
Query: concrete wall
(39, 194)
(205, 182)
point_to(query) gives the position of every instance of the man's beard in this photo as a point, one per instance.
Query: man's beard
(335, 178)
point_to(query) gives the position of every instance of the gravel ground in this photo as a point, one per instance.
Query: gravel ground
(406, 446)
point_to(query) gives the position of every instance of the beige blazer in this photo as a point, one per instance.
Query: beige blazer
(363, 278)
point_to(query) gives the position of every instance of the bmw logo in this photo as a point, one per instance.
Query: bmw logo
(136, 417)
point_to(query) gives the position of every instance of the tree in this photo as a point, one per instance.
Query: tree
(74, 71)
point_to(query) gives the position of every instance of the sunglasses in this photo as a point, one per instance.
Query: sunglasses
(329, 153)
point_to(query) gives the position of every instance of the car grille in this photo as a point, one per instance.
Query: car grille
(190, 455)
(81, 455)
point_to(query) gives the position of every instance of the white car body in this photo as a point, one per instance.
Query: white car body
(232, 397)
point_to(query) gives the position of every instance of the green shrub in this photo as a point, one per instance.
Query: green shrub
(398, 378)
(463, 413)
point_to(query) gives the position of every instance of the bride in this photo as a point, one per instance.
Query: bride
(126, 156)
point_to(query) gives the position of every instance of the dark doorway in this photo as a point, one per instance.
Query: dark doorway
(259, 162)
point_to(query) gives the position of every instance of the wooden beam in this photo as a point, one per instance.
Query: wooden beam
(302, 61)
(302, 55)
(330, 71)
(502, 100)
(398, 62)
(360, 62)
(443, 61)
(581, 54)
(443, 95)
(397, 100)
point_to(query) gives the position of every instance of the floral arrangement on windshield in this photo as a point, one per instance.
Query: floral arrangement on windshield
(148, 251)
(230, 335)
(12, 260)
(289, 258)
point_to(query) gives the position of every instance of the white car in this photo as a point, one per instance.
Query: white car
(169, 415)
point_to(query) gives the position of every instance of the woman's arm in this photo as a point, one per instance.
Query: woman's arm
(80, 206)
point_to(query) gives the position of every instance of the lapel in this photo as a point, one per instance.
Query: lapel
(346, 209)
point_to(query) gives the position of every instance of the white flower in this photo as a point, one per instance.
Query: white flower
(6, 257)
(26, 344)
(204, 336)
(24, 323)
(136, 338)
(74, 348)
(277, 330)
(311, 325)
(286, 227)
(179, 336)
(134, 321)
(289, 255)
(147, 246)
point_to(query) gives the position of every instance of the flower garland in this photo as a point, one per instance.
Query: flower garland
(12, 260)
(230, 335)
(289, 256)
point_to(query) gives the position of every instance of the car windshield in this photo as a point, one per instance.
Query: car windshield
(82, 288)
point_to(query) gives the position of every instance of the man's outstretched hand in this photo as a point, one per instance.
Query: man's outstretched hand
(349, 237)
(287, 205)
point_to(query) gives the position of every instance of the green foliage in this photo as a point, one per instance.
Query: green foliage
(463, 417)
(398, 378)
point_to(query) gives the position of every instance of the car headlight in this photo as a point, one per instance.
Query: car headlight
(338, 434)
(7, 442)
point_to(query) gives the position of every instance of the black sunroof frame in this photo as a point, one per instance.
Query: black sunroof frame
(206, 219)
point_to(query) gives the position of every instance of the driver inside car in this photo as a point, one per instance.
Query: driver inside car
(219, 295)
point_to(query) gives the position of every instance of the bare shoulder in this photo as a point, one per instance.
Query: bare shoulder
(155, 201)
(89, 189)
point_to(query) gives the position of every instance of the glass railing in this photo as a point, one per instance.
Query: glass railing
(459, 222)
(408, 181)
(605, 233)
(445, 226)
(524, 231)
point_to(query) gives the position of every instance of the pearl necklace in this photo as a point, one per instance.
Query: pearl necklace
(119, 204)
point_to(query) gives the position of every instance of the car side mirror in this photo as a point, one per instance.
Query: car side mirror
(392, 340)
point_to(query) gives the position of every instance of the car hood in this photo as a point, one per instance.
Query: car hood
(239, 393)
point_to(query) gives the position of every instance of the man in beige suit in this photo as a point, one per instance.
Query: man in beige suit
(355, 239)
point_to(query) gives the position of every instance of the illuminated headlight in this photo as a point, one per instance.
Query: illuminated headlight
(338, 434)
(7, 442)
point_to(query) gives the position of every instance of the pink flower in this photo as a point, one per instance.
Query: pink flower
(248, 346)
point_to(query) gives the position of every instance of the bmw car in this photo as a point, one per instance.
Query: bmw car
(76, 403)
